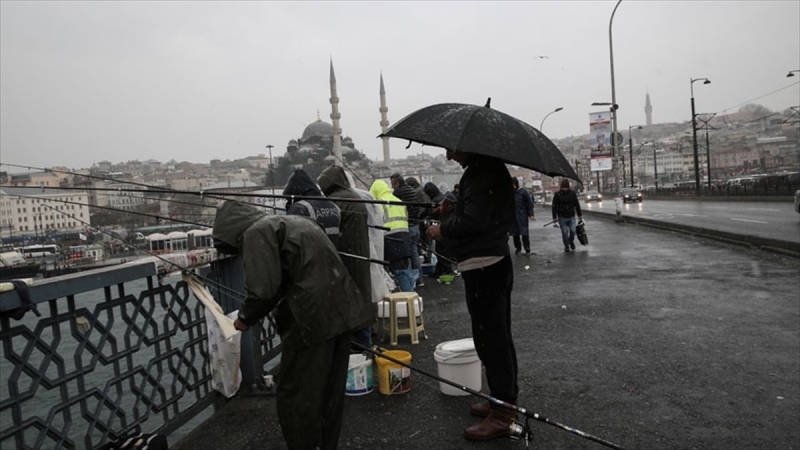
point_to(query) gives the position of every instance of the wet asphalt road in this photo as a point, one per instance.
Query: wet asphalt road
(646, 338)
(768, 219)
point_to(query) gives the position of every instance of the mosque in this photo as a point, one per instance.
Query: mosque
(322, 145)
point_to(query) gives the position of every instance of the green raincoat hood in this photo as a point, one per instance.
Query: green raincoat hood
(232, 219)
(332, 178)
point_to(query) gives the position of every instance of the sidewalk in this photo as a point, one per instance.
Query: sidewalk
(645, 338)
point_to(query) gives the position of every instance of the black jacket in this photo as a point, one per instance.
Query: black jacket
(485, 210)
(407, 193)
(324, 211)
(565, 204)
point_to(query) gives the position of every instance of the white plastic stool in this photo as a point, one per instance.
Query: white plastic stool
(410, 300)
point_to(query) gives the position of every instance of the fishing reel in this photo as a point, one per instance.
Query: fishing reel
(518, 430)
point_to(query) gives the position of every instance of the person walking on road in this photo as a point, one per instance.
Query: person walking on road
(565, 206)
(524, 213)
(479, 230)
(289, 268)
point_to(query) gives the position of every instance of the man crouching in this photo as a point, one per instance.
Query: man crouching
(292, 269)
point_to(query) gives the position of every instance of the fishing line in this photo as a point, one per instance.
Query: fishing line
(377, 351)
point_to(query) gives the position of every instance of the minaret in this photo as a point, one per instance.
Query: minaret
(384, 123)
(648, 110)
(335, 116)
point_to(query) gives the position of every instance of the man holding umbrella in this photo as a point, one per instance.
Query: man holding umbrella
(483, 139)
(478, 230)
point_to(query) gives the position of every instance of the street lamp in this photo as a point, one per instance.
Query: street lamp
(541, 125)
(791, 73)
(271, 177)
(614, 142)
(655, 168)
(630, 147)
(694, 135)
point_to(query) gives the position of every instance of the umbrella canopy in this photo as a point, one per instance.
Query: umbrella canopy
(481, 129)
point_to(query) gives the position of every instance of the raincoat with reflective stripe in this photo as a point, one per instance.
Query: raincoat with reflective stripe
(397, 243)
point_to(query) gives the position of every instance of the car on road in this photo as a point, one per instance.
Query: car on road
(631, 195)
(593, 196)
(797, 201)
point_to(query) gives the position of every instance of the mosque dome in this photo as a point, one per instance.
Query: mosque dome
(318, 128)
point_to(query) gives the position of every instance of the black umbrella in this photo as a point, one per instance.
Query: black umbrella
(481, 129)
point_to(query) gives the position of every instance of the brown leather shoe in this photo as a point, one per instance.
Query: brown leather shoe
(480, 409)
(496, 424)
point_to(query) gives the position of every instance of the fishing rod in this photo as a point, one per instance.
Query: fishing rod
(201, 193)
(172, 263)
(348, 255)
(516, 430)
(550, 223)
(95, 177)
(424, 247)
(108, 208)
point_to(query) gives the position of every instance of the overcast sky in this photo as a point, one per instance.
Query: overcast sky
(82, 82)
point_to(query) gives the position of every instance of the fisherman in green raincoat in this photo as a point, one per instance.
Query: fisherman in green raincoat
(293, 270)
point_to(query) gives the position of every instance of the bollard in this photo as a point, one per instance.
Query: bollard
(618, 208)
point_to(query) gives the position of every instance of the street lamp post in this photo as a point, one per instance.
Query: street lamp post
(271, 177)
(694, 135)
(708, 162)
(541, 125)
(614, 107)
(655, 168)
(630, 146)
(791, 73)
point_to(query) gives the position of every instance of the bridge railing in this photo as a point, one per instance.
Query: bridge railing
(116, 350)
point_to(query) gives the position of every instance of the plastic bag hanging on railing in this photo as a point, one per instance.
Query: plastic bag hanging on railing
(224, 356)
(224, 341)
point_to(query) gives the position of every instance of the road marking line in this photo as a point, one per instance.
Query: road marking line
(762, 209)
(746, 220)
(690, 215)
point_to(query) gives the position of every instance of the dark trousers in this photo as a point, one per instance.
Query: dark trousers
(488, 292)
(311, 393)
(526, 242)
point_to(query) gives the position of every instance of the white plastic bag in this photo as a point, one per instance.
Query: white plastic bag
(224, 341)
(224, 356)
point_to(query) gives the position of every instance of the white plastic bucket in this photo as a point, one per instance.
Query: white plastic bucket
(458, 362)
(359, 376)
